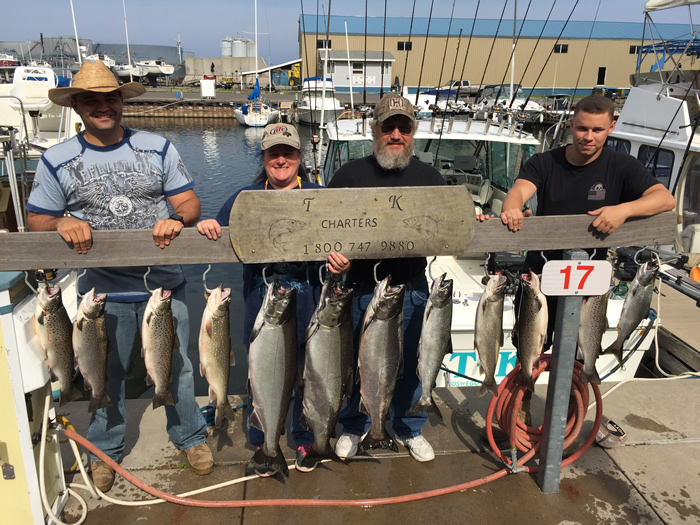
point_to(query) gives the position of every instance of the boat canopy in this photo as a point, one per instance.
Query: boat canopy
(658, 5)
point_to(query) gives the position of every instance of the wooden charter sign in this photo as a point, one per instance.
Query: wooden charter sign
(360, 223)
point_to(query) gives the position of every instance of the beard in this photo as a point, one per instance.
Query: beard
(391, 161)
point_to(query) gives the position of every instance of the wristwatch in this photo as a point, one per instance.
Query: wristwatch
(177, 217)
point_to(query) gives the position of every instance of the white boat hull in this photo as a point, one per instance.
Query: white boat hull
(126, 72)
(308, 115)
(259, 118)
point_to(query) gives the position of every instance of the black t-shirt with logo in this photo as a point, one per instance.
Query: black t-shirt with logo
(367, 173)
(566, 189)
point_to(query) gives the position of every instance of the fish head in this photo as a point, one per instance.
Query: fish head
(93, 304)
(388, 300)
(279, 303)
(531, 283)
(50, 298)
(160, 301)
(336, 304)
(647, 272)
(496, 287)
(441, 291)
(218, 300)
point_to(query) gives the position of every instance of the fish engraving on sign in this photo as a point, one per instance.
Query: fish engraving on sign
(425, 225)
(281, 229)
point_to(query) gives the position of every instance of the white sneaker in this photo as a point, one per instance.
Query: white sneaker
(346, 446)
(418, 446)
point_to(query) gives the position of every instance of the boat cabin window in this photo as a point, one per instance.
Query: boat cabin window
(660, 165)
(505, 161)
(619, 145)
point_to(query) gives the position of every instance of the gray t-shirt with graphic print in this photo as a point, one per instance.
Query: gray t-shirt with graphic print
(118, 187)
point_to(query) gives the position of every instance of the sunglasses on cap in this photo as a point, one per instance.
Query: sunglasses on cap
(387, 127)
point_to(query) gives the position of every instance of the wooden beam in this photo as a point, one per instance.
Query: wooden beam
(32, 250)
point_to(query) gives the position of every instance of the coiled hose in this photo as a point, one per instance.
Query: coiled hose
(506, 407)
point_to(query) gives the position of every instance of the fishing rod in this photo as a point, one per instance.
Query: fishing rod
(555, 137)
(529, 95)
(381, 82)
(493, 43)
(326, 47)
(410, 29)
(306, 61)
(466, 54)
(425, 47)
(510, 60)
(481, 82)
(539, 38)
(364, 64)
(444, 55)
(447, 99)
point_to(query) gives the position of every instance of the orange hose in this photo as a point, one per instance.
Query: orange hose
(509, 399)
(279, 502)
(527, 439)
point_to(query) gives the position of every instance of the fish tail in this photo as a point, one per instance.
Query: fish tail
(314, 456)
(265, 465)
(615, 349)
(426, 405)
(385, 442)
(489, 386)
(99, 402)
(71, 393)
(589, 376)
(166, 398)
(527, 380)
(223, 410)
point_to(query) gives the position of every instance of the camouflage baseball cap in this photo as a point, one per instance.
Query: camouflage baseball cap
(393, 104)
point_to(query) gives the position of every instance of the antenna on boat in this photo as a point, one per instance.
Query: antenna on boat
(466, 53)
(75, 30)
(347, 48)
(128, 51)
(410, 30)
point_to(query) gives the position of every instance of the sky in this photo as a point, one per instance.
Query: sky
(202, 24)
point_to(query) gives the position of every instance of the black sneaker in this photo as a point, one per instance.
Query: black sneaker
(301, 465)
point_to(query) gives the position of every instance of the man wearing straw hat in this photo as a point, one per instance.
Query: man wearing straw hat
(113, 177)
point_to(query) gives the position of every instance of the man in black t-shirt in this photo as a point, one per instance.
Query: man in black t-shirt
(392, 164)
(585, 177)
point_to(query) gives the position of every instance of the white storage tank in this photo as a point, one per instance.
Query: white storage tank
(239, 47)
(250, 49)
(227, 47)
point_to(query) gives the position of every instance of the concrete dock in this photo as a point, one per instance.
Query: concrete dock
(653, 478)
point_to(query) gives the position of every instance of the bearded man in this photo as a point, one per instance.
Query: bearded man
(392, 164)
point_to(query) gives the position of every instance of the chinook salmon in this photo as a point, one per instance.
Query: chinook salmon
(272, 373)
(591, 328)
(53, 328)
(327, 368)
(91, 346)
(488, 330)
(532, 327)
(215, 352)
(158, 339)
(381, 359)
(636, 305)
(435, 341)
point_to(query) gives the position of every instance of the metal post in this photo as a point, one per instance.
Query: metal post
(559, 386)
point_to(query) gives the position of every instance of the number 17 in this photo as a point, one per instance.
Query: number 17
(567, 275)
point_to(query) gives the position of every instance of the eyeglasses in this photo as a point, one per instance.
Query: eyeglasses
(387, 128)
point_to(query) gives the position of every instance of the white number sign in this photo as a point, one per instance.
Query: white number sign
(576, 277)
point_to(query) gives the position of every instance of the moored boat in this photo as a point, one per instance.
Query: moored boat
(318, 97)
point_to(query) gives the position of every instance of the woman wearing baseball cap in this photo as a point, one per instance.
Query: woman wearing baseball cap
(282, 170)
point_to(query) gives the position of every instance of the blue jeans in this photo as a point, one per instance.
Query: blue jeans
(408, 387)
(185, 424)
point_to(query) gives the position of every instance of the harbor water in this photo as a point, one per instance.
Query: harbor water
(221, 157)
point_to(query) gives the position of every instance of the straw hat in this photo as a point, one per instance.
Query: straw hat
(94, 76)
